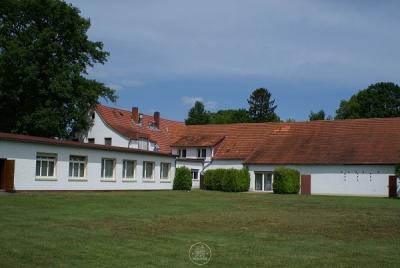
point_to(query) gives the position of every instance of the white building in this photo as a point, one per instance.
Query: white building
(125, 150)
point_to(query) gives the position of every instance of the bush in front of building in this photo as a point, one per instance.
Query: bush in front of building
(183, 179)
(397, 171)
(227, 180)
(286, 181)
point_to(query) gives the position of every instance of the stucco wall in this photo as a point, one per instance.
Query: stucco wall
(25, 179)
(340, 179)
(100, 130)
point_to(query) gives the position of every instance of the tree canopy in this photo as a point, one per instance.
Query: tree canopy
(230, 116)
(262, 107)
(198, 115)
(44, 56)
(378, 100)
(317, 115)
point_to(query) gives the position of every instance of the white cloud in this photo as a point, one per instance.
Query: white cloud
(190, 101)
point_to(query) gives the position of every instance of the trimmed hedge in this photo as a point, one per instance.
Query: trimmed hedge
(286, 181)
(227, 180)
(183, 179)
(397, 171)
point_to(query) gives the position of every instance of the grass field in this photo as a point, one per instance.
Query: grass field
(154, 229)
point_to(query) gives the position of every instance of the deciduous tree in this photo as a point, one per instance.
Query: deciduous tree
(44, 56)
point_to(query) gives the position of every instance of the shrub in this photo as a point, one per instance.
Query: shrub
(397, 171)
(183, 179)
(286, 181)
(227, 180)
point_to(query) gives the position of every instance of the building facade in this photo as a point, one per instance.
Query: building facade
(126, 150)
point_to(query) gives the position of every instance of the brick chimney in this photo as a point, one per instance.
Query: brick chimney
(157, 119)
(135, 114)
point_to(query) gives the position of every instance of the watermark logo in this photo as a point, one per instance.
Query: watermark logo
(200, 253)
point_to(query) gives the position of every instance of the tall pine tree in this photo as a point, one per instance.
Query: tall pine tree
(262, 107)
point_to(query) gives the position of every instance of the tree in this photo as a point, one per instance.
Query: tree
(262, 108)
(44, 56)
(378, 100)
(317, 116)
(230, 116)
(197, 115)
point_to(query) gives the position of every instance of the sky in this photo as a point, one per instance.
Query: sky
(165, 55)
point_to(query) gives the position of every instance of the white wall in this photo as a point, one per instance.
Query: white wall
(100, 130)
(340, 180)
(192, 165)
(237, 164)
(25, 166)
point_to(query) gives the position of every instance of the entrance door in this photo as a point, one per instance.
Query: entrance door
(392, 186)
(8, 175)
(305, 184)
(263, 181)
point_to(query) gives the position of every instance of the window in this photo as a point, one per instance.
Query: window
(128, 169)
(165, 170)
(195, 174)
(45, 166)
(91, 140)
(201, 153)
(143, 144)
(182, 153)
(107, 168)
(263, 181)
(107, 141)
(77, 166)
(148, 170)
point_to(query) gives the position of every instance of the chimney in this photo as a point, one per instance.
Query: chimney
(135, 114)
(157, 119)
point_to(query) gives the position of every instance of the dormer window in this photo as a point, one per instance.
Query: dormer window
(182, 153)
(143, 144)
(201, 153)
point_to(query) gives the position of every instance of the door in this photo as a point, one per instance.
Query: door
(267, 182)
(8, 175)
(305, 184)
(392, 186)
(258, 182)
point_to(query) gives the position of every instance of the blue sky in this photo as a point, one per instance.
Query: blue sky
(309, 54)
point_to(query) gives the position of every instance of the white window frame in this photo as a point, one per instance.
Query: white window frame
(79, 162)
(143, 144)
(200, 152)
(181, 153)
(162, 169)
(263, 181)
(193, 171)
(124, 165)
(103, 169)
(46, 157)
(144, 173)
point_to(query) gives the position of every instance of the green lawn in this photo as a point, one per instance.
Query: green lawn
(149, 229)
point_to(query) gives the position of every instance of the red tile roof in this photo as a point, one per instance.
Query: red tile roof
(68, 143)
(121, 121)
(198, 141)
(360, 141)
(357, 141)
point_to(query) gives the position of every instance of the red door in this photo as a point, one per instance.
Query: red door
(305, 184)
(8, 170)
(392, 186)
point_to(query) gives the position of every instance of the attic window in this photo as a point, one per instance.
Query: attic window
(120, 114)
(93, 115)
